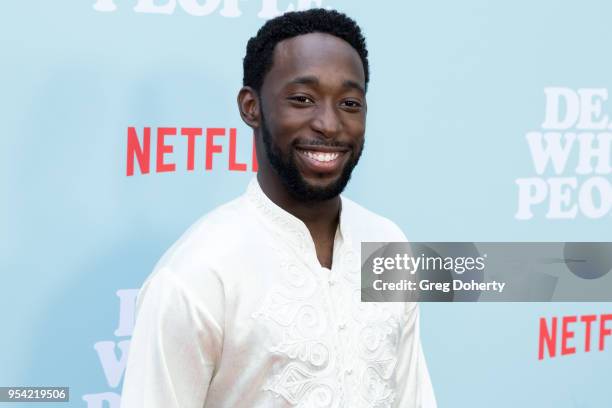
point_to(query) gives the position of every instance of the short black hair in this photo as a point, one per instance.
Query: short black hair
(260, 48)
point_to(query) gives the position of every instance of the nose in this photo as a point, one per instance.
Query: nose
(326, 120)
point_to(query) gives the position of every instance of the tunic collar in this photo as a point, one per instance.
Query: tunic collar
(288, 225)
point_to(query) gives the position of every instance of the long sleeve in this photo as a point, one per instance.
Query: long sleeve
(175, 346)
(414, 389)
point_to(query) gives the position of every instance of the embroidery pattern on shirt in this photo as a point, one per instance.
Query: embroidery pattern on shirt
(375, 342)
(294, 307)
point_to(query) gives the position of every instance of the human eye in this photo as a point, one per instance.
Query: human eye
(301, 99)
(351, 105)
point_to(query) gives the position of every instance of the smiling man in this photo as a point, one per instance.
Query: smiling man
(258, 303)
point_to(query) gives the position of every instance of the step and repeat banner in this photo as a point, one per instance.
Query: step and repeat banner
(487, 122)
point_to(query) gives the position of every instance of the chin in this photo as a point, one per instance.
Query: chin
(321, 184)
(318, 190)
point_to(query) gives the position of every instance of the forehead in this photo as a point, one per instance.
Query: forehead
(327, 57)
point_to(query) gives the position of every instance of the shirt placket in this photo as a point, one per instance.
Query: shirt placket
(335, 304)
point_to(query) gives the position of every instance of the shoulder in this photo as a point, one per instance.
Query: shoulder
(190, 271)
(209, 240)
(366, 225)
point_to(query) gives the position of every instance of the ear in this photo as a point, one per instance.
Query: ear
(248, 105)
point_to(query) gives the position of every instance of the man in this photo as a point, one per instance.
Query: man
(258, 303)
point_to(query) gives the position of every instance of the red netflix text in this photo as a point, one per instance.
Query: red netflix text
(139, 148)
(559, 336)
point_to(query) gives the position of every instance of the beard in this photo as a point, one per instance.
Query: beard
(289, 174)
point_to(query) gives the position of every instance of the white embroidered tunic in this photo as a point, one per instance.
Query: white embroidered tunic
(239, 313)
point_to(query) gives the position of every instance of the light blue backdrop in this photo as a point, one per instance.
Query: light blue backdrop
(455, 87)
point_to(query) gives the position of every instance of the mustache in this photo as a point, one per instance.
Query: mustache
(319, 142)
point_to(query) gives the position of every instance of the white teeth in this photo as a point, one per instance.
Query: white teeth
(321, 156)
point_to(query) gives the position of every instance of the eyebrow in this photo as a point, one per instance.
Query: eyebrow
(354, 85)
(314, 81)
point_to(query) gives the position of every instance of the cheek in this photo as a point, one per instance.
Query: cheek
(282, 120)
(292, 118)
(356, 130)
(289, 124)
